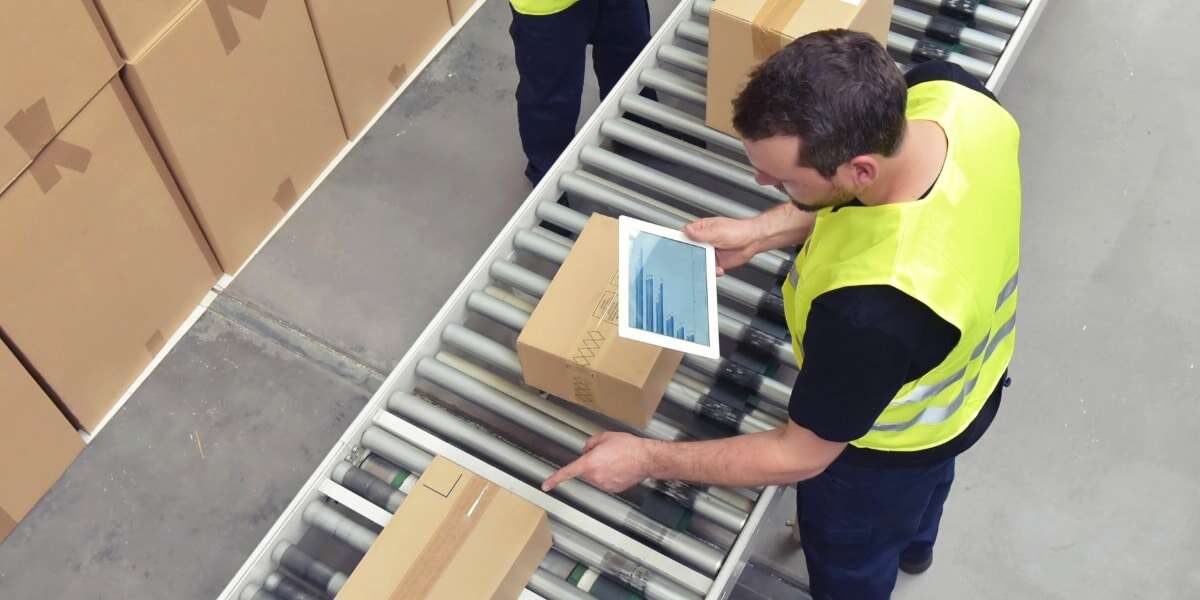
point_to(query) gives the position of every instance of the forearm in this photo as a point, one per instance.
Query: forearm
(764, 458)
(782, 226)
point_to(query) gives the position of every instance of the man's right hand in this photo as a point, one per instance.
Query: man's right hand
(736, 240)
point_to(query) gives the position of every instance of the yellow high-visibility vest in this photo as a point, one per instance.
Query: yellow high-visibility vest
(956, 251)
(541, 7)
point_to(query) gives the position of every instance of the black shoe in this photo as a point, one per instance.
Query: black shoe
(916, 567)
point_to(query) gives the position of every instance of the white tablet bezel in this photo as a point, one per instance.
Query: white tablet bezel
(627, 228)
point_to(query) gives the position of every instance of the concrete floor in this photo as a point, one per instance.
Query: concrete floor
(1085, 488)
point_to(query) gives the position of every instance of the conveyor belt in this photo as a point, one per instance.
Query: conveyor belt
(458, 392)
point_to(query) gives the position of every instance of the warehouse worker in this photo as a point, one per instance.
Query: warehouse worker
(901, 303)
(551, 38)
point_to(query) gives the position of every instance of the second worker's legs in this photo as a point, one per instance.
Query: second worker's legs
(551, 51)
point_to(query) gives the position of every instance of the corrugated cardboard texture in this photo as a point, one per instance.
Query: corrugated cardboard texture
(135, 24)
(456, 536)
(743, 33)
(36, 442)
(370, 46)
(570, 345)
(104, 255)
(458, 8)
(237, 98)
(54, 56)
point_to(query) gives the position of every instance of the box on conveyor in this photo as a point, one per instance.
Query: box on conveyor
(744, 33)
(570, 345)
(457, 535)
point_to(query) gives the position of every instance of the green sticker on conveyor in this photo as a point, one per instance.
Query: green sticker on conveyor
(577, 574)
(398, 480)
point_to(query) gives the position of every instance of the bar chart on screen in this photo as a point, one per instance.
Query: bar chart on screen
(669, 295)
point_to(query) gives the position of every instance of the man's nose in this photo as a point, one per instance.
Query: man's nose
(764, 179)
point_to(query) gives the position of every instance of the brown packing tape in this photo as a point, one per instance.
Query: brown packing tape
(60, 153)
(769, 23)
(155, 342)
(398, 75)
(472, 503)
(222, 16)
(32, 128)
(285, 194)
(164, 173)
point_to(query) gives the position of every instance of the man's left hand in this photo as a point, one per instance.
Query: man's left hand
(613, 462)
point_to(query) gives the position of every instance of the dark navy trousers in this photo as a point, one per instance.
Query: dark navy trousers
(856, 522)
(551, 53)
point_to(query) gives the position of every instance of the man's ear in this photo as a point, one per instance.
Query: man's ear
(862, 170)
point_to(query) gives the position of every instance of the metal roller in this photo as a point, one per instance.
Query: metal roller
(300, 564)
(672, 149)
(571, 543)
(371, 488)
(679, 189)
(323, 517)
(253, 592)
(283, 587)
(984, 15)
(684, 59)
(574, 440)
(927, 25)
(553, 587)
(673, 85)
(673, 118)
(927, 49)
(694, 32)
(690, 550)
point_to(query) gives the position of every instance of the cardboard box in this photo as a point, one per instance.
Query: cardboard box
(135, 24)
(36, 442)
(458, 8)
(456, 536)
(54, 55)
(743, 33)
(370, 47)
(104, 258)
(570, 346)
(237, 98)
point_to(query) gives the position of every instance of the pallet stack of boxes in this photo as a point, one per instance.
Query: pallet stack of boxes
(148, 146)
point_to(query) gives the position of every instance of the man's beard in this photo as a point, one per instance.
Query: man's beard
(839, 199)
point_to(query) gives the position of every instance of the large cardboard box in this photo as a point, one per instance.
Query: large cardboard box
(135, 24)
(743, 33)
(36, 442)
(459, 8)
(54, 55)
(456, 536)
(237, 98)
(370, 46)
(570, 345)
(102, 258)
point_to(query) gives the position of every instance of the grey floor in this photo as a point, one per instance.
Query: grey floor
(1087, 486)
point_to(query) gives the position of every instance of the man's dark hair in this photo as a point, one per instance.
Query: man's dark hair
(838, 90)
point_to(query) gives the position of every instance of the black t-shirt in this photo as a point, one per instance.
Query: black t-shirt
(863, 343)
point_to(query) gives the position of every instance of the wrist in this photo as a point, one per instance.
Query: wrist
(654, 458)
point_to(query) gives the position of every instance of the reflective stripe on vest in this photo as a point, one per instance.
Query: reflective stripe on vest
(539, 8)
(956, 250)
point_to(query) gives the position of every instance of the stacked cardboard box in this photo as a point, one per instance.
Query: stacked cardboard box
(36, 442)
(147, 146)
(237, 98)
(371, 46)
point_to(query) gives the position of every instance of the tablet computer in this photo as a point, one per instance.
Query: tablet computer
(667, 289)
